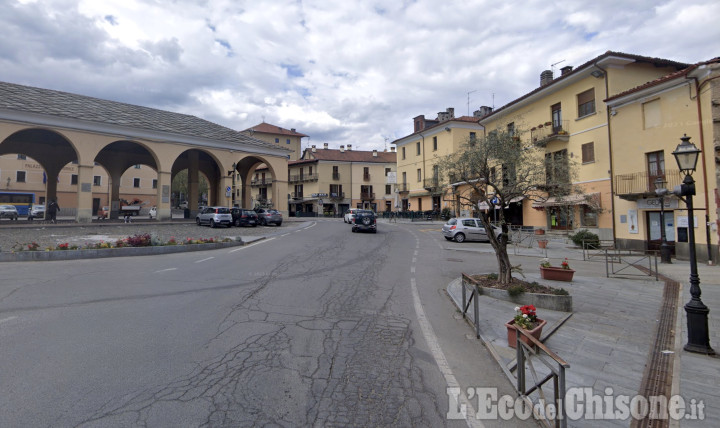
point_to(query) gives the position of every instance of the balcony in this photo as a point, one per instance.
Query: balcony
(431, 184)
(336, 195)
(541, 136)
(261, 182)
(296, 195)
(366, 177)
(367, 196)
(302, 178)
(402, 187)
(637, 185)
(263, 200)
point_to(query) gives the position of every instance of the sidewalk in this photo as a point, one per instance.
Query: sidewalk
(611, 333)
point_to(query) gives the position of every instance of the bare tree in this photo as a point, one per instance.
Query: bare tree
(499, 169)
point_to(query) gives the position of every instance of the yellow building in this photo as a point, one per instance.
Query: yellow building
(286, 138)
(646, 125)
(330, 181)
(566, 116)
(418, 178)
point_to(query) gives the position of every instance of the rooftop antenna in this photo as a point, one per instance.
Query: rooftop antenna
(468, 102)
(386, 140)
(493, 103)
(552, 66)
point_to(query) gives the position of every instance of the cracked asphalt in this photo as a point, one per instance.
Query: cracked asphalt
(314, 326)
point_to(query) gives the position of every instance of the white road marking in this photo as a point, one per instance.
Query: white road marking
(165, 270)
(7, 319)
(204, 260)
(285, 234)
(250, 245)
(412, 269)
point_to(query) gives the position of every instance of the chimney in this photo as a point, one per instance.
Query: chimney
(419, 122)
(546, 77)
(292, 129)
(482, 111)
(313, 148)
(325, 146)
(342, 149)
(392, 149)
(349, 147)
(451, 112)
(565, 70)
(375, 153)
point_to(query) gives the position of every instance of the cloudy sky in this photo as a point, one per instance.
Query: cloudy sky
(340, 71)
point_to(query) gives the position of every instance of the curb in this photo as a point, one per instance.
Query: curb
(43, 256)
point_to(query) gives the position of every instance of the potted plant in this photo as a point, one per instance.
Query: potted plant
(562, 273)
(525, 318)
(542, 243)
(539, 231)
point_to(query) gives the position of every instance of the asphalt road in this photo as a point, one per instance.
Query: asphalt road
(315, 327)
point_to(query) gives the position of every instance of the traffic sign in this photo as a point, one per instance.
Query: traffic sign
(228, 189)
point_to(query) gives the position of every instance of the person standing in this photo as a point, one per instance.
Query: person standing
(52, 209)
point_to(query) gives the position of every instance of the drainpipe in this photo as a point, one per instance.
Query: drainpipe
(698, 86)
(422, 148)
(610, 151)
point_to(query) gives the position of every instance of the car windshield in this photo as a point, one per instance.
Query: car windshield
(452, 222)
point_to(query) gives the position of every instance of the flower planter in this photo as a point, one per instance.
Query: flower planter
(556, 274)
(539, 231)
(542, 243)
(512, 333)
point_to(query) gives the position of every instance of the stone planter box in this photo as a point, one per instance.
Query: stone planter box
(544, 301)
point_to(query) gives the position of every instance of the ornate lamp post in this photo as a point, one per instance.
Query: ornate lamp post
(661, 191)
(686, 155)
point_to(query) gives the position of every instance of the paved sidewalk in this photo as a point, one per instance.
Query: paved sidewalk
(610, 334)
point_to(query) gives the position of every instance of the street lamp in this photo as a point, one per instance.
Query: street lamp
(232, 173)
(661, 191)
(686, 155)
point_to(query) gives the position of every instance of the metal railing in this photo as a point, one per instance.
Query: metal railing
(543, 135)
(366, 177)
(631, 258)
(337, 195)
(303, 177)
(261, 182)
(367, 196)
(402, 187)
(642, 182)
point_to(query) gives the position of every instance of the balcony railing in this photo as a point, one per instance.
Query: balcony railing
(296, 195)
(367, 196)
(542, 136)
(366, 177)
(336, 195)
(402, 187)
(637, 184)
(431, 184)
(302, 178)
(263, 200)
(261, 182)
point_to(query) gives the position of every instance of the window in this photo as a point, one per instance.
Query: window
(97, 181)
(556, 117)
(419, 172)
(298, 191)
(387, 171)
(493, 175)
(136, 182)
(310, 170)
(511, 129)
(388, 189)
(154, 183)
(589, 217)
(434, 143)
(137, 166)
(473, 137)
(436, 172)
(277, 141)
(417, 148)
(651, 114)
(287, 141)
(586, 102)
(403, 152)
(588, 152)
(404, 175)
(509, 175)
(20, 176)
(74, 179)
(22, 157)
(557, 168)
(655, 167)
(366, 173)
(336, 173)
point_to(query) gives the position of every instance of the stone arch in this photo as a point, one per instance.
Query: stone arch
(117, 158)
(198, 161)
(245, 168)
(51, 149)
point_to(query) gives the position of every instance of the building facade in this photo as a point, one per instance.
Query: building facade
(567, 117)
(329, 181)
(289, 139)
(647, 123)
(418, 181)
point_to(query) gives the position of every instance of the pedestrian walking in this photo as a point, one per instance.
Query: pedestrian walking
(52, 209)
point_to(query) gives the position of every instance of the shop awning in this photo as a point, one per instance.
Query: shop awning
(485, 206)
(592, 199)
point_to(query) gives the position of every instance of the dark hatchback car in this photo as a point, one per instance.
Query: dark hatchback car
(364, 221)
(243, 217)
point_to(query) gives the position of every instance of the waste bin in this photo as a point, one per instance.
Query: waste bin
(186, 213)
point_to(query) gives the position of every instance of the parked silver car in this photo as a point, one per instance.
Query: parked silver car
(466, 229)
(268, 216)
(37, 212)
(8, 211)
(214, 216)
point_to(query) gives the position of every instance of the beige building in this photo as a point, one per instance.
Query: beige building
(329, 181)
(567, 117)
(289, 139)
(647, 123)
(419, 184)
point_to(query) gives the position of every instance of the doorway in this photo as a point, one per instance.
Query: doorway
(654, 223)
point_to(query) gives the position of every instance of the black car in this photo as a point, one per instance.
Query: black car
(364, 221)
(243, 217)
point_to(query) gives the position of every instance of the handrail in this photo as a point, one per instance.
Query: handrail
(475, 295)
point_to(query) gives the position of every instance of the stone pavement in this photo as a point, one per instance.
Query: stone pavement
(611, 333)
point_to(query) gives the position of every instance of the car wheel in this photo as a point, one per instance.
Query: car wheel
(212, 224)
(460, 237)
(353, 229)
(197, 221)
(279, 223)
(366, 221)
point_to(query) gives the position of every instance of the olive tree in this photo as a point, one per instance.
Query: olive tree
(501, 168)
